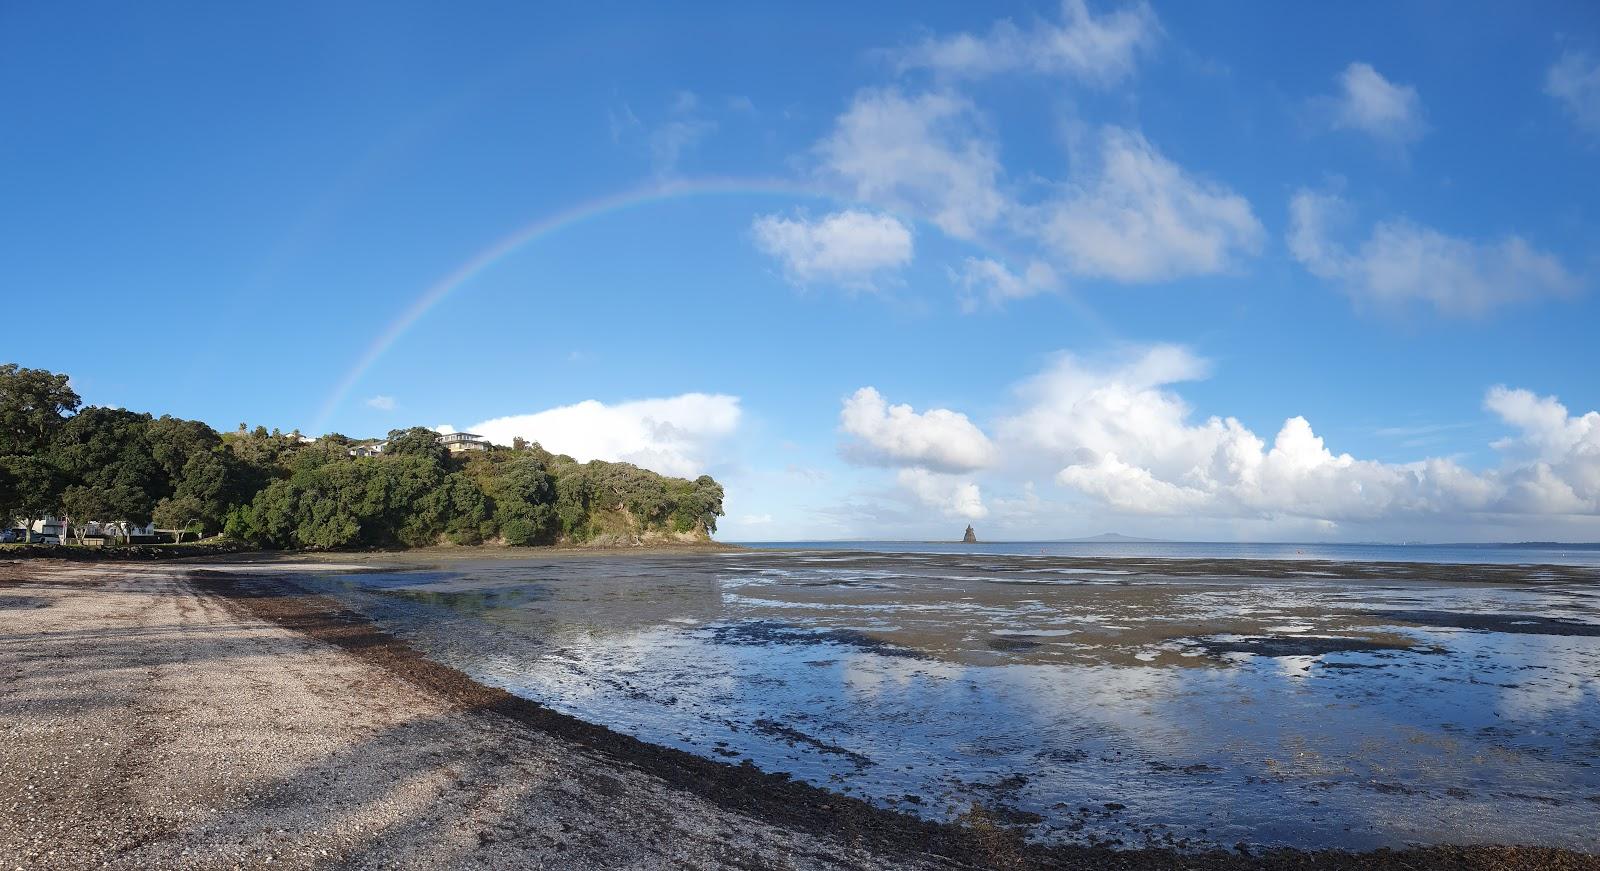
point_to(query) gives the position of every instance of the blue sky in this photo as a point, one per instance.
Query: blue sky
(1055, 241)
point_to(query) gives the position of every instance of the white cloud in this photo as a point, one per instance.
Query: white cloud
(950, 495)
(1574, 80)
(381, 403)
(623, 122)
(681, 131)
(896, 435)
(850, 247)
(1137, 216)
(1121, 448)
(984, 279)
(924, 155)
(1127, 213)
(1557, 455)
(672, 139)
(673, 436)
(1371, 104)
(1117, 434)
(1403, 262)
(1100, 49)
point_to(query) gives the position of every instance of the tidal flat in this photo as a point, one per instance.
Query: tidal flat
(1133, 703)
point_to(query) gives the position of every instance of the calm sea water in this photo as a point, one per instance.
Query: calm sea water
(1499, 554)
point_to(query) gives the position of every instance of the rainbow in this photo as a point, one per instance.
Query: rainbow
(520, 238)
(527, 235)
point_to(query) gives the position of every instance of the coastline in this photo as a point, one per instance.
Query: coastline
(763, 819)
(223, 548)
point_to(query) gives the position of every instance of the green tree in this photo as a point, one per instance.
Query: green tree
(461, 510)
(706, 504)
(374, 502)
(33, 405)
(32, 490)
(524, 503)
(113, 501)
(261, 456)
(186, 514)
(175, 441)
(574, 498)
(268, 487)
(104, 455)
(417, 441)
(207, 486)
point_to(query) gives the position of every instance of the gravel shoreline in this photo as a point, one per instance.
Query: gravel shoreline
(156, 716)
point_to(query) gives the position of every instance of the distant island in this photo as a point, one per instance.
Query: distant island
(970, 537)
(116, 475)
(1114, 538)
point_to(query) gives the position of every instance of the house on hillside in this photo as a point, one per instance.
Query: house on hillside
(454, 442)
(459, 442)
(372, 450)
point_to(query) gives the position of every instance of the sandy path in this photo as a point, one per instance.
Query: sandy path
(144, 724)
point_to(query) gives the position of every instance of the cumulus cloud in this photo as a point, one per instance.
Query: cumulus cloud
(1557, 455)
(948, 494)
(674, 436)
(1117, 433)
(850, 248)
(924, 154)
(381, 403)
(896, 435)
(983, 279)
(1099, 49)
(1137, 216)
(1127, 212)
(1574, 81)
(1370, 104)
(1403, 262)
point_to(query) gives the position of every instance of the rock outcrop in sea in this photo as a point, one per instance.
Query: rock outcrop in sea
(971, 537)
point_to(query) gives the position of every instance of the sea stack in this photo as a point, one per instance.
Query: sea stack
(971, 537)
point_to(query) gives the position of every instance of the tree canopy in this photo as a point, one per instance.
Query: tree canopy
(277, 490)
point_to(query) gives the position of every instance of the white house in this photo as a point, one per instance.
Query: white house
(459, 442)
(116, 529)
(45, 527)
(372, 450)
(454, 442)
(49, 525)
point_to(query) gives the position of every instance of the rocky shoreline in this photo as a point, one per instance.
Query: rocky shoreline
(309, 684)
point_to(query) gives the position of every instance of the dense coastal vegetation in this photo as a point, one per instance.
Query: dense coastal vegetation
(282, 490)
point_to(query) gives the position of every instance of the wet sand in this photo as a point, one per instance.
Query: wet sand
(1195, 704)
(157, 719)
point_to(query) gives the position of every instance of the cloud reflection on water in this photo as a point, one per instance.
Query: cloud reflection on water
(1056, 698)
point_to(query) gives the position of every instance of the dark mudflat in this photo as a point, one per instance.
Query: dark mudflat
(1524, 624)
(982, 839)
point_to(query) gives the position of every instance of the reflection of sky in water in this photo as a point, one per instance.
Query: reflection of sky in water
(1056, 701)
